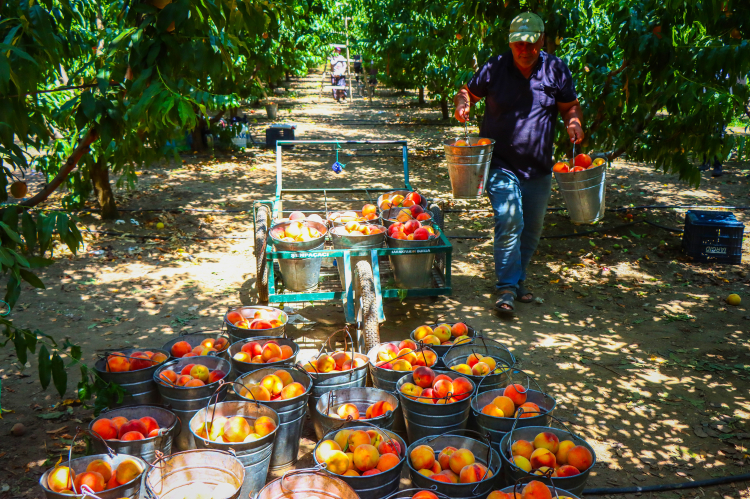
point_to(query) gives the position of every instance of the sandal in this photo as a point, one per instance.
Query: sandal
(522, 292)
(506, 299)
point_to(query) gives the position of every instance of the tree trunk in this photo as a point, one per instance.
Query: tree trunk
(197, 134)
(421, 96)
(288, 76)
(103, 190)
(444, 108)
(551, 45)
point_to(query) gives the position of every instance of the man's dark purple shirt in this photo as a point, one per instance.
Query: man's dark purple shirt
(520, 113)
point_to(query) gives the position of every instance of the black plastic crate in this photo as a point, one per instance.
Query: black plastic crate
(713, 236)
(279, 132)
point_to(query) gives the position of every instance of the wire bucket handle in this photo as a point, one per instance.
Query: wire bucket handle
(411, 492)
(529, 379)
(485, 440)
(484, 343)
(84, 431)
(314, 470)
(222, 384)
(544, 478)
(347, 335)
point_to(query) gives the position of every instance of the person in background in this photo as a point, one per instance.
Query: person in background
(338, 75)
(373, 79)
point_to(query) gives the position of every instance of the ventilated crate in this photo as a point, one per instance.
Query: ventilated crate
(713, 236)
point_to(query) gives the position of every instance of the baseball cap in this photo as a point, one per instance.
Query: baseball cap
(526, 27)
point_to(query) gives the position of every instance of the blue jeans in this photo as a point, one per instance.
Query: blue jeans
(519, 207)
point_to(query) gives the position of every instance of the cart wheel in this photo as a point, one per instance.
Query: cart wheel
(437, 216)
(261, 235)
(364, 287)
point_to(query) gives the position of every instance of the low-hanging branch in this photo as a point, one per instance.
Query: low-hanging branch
(51, 90)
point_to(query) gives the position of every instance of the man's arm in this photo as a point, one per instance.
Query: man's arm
(572, 116)
(463, 100)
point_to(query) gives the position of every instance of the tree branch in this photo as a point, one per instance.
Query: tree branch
(619, 152)
(70, 164)
(216, 118)
(58, 89)
(600, 112)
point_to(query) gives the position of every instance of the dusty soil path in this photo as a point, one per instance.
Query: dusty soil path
(633, 340)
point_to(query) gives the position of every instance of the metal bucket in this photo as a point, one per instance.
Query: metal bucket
(255, 456)
(175, 476)
(336, 380)
(139, 385)
(240, 367)
(342, 240)
(361, 398)
(372, 486)
(426, 420)
(556, 492)
(300, 274)
(575, 484)
(483, 454)
(334, 222)
(441, 350)
(402, 192)
(185, 402)
(146, 448)
(291, 415)
(468, 167)
(304, 484)
(389, 217)
(496, 427)
(412, 271)
(239, 333)
(583, 193)
(458, 354)
(195, 339)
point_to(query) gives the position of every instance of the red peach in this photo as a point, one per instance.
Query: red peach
(580, 457)
(423, 377)
(517, 393)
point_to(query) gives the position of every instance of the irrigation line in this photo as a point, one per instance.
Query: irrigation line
(669, 486)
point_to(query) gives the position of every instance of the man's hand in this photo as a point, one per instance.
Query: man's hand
(572, 115)
(463, 100)
(575, 132)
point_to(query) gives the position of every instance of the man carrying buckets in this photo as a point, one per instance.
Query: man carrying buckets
(525, 89)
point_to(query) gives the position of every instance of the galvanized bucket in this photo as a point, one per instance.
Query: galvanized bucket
(372, 486)
(169, 424)
(583, 193)
(300, 274)
(325, 419)
(195, 339)
(498, 427)
(240, 367)
(139, 385)
(441, 350)
(388, 217)
(303, 484)
(556, 492)
(427, 419)
(291, 414)
(468, 167)
(486, 347)
(130, 490)
(255, 456)
(414, 270)
(575, 484)
(176, 476)
(342, 240)
(424, 203)
(185, 402)
(239, 333)
(483, 454)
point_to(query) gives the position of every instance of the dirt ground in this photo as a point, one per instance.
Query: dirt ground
(635, 341)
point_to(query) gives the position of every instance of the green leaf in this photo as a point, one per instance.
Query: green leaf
(45, 366)
(592, 243)
(32, 279)
(59, 376)
(28, 229)
(11, 233)
(36, 262)
(19, 340)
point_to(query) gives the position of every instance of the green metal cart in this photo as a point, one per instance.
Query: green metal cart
(365, 286)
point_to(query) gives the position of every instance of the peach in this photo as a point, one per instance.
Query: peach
(257, 392)
(324, 449)
(536, 490)
(517, 393)
(325, 363)
(183, 380)
(498, 494)
(264, 426)
(480, 369)
(431, 339)
(94, 480)
(567, 470)
(198, 350)
(401, 365)
(127, 471)
(199, 372)
(505, 404)
(101, 467)
(350, 455)
(423, 377)
(310, 367)
(438, 477)
(390, 447)
(150, 424)
(348, 410)
(422, 332)
(119, 421)
(216, 428)
(411, 390)
(112, 483)
(562, 451)
(426, 358)
(194, 382)
(340, 358)
(462, 368)
(451, 476)
(292, 390)
(461, 340)
(117, 362)
(215, 376)
(373, 471)
(60, 478)
(258, 359)
(342, 438)
(234, 316)
(388, 352)
(424, 494)
(407, 344)
(472, 473)
(428, 396)
(542, 457)
(379, 408)
(528, 410)
(366, 457)
(376, 437)
(442, 332)
(242, 357)
(493, 410)
(357, 438)
(273, 384)
(547, 440)
(208, 351)
(522, 448)
(462, 388)
(422, 457)
(459, 329)
(169, 376)
(491, 363)
(580, 457)
(337, 462)
(253, 348)
(186, 369)
(522, 463)
(444, 457)
(270, 350)
(133, 425)
(105, 429)
(351, 473)
(236, 429)
(473, 359)
(139, 360)
(442, 388)
(459, 459)
(408, 355)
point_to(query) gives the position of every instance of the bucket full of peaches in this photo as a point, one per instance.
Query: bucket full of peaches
(194, 344)
(582, 184)
(250, 321)
(462, 464)
(133, 369)
(366, 457)
(468, 165)
(539, 488)
(299, 274)
(258, 353)
(412, 269)
(482, 360)
(441, 337)
(376, 407)
(139, 430)
(560, 454)
(401, 199)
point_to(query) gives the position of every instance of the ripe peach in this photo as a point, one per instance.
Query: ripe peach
(423, 377)
(442, 388)
(528, 410)
(199, 372)
(459, 329)
(186, 370)
(480, 369)
(60, 478)
(139, 360)
(169, 376)
(452, 477)
(536, 490)
(379, 408)
(428, 396)
(236, 429)
(444, 457)
(158, 358)
(408, 355)
(562, 451)
(411, 390)
(462, 368)
(422, 332)
(390, 447)
(493, 410)
(101, 467)
(234, 316)
(324, 449)
(373, 471)
(473, 359)
(127, 470)
(208, 351)
(340, 358)
(264, 426)
(459, 459)
(366, 457)
(184, 379)
(442, 332)
(567, 470)
(133, 425)
(337, 462)
(112, 483)
(215, 375)
(491, 363)
(424, 494)
(517, 393)
(376, 437)
(357, 438)
(505, 404)
(342, 438)
(150, 424)
(270, 350)
(438, 477)
(351, 473)
(347, 410)
(580, 457)
(105, 429)
(273, 384)
(258, 359)
(325, 363)
(292, 390)
(472, 473)
(118, 421)
(522, 448)
(422, 457)
(462, 388)
(117, 362)
(253, 348)
(132, 435)
(258, 392)
(542, 457)
(547, 440)
(407, 344)
(401, 365)
(522, 463)
(461, 340)
(198, 350)
(498, 494)
(426, 358)
(431, 339)
(194, 382)
(93, 479)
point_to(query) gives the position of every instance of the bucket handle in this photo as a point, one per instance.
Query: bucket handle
(222, 384)
(529, 379)
(308, 373)
(377, 428)
(476, 392)
(348, 335)
(520, 412)
(484, 342)
(486, 440)
(84, 431)
(411, 492)
(185, 333)
(547, 475)
(314, 470)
